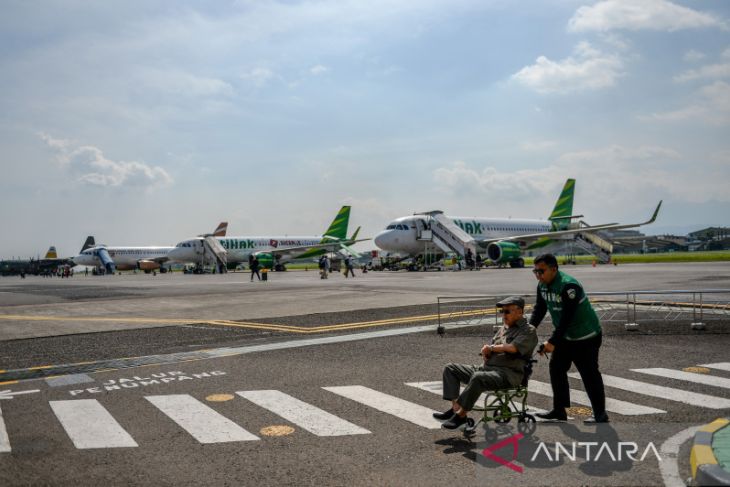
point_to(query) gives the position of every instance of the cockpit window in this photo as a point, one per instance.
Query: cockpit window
(390, 227)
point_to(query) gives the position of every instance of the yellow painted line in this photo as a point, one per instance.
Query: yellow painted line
(718, 424)
(41, 367)
(8, 382)
(701, 455)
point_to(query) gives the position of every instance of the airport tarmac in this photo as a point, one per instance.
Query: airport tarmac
(303, 381)
(37, 307)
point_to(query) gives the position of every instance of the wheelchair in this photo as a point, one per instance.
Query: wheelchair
(502, 405)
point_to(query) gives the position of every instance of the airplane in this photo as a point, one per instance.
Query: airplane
(505, 239)
(46, 265)
(146, 259)
(273, 251)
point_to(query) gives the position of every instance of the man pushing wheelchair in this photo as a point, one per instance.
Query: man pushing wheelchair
(502, 368)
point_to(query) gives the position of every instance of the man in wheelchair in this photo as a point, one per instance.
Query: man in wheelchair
(504, 361)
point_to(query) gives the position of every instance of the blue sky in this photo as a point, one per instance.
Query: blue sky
(148, 122)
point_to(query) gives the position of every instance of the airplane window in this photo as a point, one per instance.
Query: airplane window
(390, 227)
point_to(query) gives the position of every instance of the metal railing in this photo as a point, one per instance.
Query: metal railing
(659, 308)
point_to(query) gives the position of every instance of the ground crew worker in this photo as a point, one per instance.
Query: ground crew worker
(255, 266)
(576, 338)
(349, 268)
(503, 366)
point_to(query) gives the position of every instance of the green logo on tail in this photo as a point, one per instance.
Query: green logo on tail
(563, 207)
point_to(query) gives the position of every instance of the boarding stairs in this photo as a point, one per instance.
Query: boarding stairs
(106, 260)
(595, 245)
(215, 252)
(447, 235)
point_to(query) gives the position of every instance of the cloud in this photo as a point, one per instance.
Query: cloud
(618, 174)
(89, 165)
(318, 69)
(259, 77)
(711, 104)
(644, 15)
(587, 69)
(693, 56)
(710, 71)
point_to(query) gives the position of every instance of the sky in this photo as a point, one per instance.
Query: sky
(145, 123)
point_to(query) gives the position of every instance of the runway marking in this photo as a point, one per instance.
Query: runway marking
(304, 415)
(580, 397)
(400, 408)
(719, 366)
(436, 387)
(202, 422)
(4, 440)
(669, 466)
(687, 376)
(175, 358)
(669, 393)
(89, 425)
(254, 325)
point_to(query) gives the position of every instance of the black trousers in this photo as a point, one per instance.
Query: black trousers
(584, 354)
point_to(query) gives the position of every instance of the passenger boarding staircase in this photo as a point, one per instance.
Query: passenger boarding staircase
(103, 254)
(215, 251)
(447, 235)
(595, 245)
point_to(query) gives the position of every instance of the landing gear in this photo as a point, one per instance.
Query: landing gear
(280, 268)
(517, 263)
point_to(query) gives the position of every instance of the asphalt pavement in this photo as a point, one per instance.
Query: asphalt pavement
(351, 403)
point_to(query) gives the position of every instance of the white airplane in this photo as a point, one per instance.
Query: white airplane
(273, 251)
(505, 239)
(147, 259)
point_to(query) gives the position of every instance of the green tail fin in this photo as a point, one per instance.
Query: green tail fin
(338, 228)
(354, 235)
(563, 207)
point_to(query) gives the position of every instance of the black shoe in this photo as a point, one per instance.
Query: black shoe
(444, 416)
(599, 418)
(455, 422)
(553, 416)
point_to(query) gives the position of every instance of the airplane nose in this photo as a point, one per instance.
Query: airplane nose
(381, 240)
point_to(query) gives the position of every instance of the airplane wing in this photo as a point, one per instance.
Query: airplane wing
(287, 253)
(558, 233)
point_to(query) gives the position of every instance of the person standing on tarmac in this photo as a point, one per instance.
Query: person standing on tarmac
(254, 264)
(349, 268)
(576, 338)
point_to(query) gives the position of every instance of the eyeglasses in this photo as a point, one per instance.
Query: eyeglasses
(538, 272)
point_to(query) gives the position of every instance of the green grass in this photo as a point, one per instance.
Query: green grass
(713, 256)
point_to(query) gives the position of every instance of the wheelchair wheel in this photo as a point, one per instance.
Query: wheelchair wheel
(526, 424)
(500, 416)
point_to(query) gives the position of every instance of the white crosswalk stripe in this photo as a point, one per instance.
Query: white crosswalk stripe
(311, 418)
(4, 440)
(406, 410)
(89, 425)
(580, 397)
(719, 366)
(668, 393)
(436, 387)
(202, 422)
(708, 380)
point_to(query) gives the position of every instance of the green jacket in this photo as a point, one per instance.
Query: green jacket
(572, 314)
